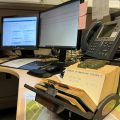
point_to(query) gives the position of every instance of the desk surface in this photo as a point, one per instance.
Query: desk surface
(23, 78)
(30, 80)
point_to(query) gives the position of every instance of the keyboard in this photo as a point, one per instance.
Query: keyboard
(35, 65)
(39, 64)
(39, 73)
(47, 69)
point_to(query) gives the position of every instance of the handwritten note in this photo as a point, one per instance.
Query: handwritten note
(82, 22)
(82, 16)
(83, 8)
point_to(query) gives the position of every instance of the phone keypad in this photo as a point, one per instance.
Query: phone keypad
(93, 46)
(100, 49)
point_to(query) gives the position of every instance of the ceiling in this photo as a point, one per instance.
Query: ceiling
(52, 2)
(112, 3)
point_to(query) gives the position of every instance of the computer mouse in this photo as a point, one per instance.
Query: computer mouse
(39, 73)
(53, 68)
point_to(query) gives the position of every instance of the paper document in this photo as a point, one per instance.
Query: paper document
(18, 62)
(100, 9)
(105, 8)
(36, 111)
(96, 83)
(85, 80)
(97, 10)
(110, 117)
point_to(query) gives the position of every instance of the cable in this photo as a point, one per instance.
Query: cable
(41, 1)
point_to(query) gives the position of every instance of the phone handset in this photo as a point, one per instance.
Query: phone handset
(90, 34)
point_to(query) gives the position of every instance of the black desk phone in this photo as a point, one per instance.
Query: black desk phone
(105, 41)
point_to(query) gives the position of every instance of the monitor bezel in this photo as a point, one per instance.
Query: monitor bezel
(21, 47)
(78, 33)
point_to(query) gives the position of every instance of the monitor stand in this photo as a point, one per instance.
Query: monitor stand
(62, 55)
(27, 53)
(62, 58)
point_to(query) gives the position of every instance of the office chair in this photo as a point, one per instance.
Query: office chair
(8, 90)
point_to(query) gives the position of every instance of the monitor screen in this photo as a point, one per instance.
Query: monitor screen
(59, 26)
(19, 32)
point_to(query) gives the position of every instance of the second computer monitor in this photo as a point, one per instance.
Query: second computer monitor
(19, 32)
(59, 26)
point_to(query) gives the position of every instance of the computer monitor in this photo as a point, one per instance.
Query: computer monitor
(20, 33)
(59, 27)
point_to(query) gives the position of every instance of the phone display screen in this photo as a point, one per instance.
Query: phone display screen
(107, 30)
